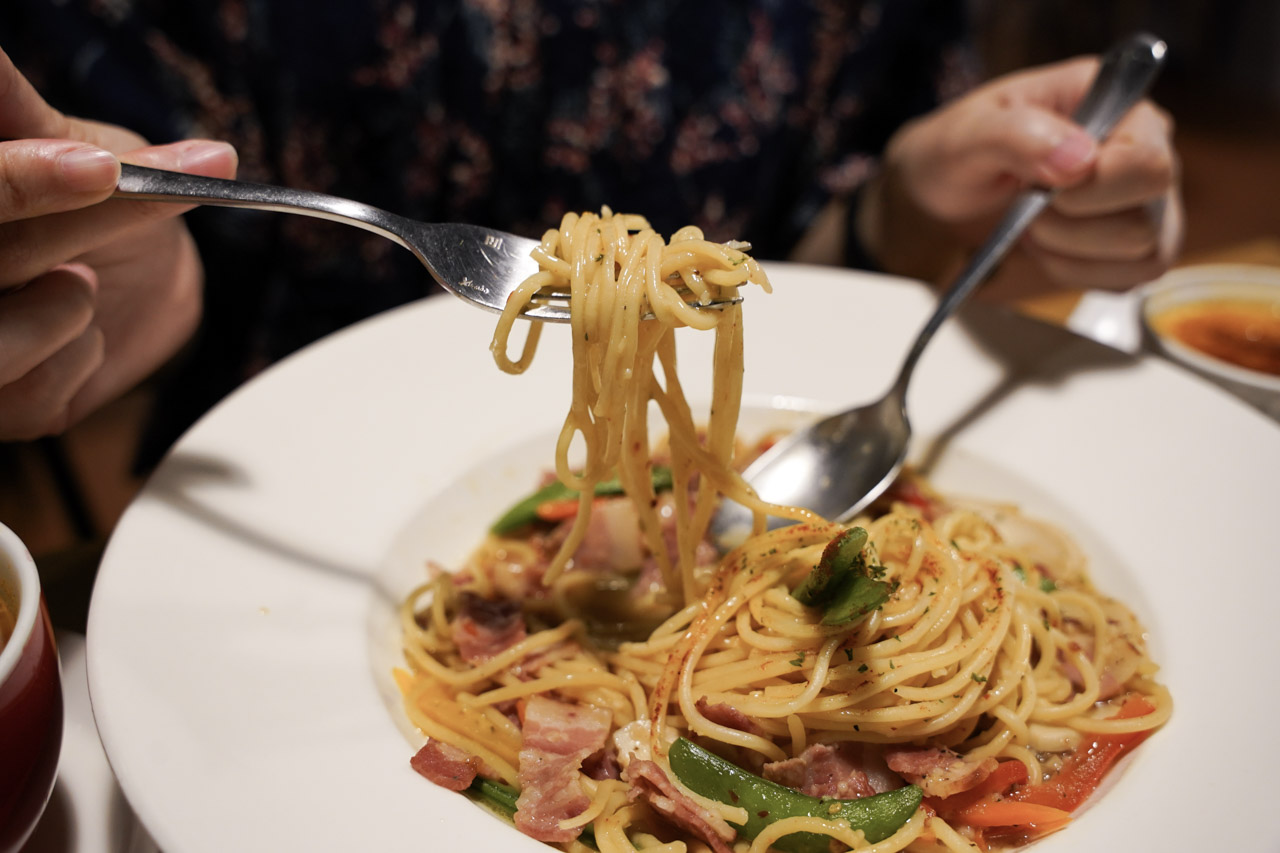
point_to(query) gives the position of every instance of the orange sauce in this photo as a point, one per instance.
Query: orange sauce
(1243, 332)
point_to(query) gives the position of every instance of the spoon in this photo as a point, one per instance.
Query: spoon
(839, 465)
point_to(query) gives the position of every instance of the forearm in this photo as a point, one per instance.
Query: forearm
(879, 229)
(898, 235)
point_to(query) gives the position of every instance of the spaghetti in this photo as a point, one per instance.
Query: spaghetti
(588, 667)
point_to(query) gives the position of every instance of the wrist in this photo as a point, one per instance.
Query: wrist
(897, 232)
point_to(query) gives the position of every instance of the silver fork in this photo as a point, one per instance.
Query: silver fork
(481, 265)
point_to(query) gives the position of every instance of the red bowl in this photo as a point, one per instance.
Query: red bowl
(30, 698)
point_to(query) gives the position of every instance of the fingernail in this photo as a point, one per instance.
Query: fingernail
(89, 169)
(1073, 153)
(202, 152)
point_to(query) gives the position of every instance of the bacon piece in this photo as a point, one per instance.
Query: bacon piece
(557, 737)
(1120, 662)
(726, 715)
(704, 553)
(485, 627)
(824, 770)
(650, 580)
(939, 772)
(650, 783)
(602, 764)
(446, 765)
(612, 542)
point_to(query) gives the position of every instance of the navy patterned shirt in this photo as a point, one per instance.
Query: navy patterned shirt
(741, 116)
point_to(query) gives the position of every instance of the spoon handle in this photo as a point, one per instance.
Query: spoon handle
(1124, 76)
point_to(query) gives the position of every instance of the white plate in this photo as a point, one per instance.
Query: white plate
(238, 641)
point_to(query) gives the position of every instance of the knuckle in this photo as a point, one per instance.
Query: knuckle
(1148, 160)
(1155, 162)
(1068, 204)
(15, 196)
(31, 413)
(1138, 234)
(17, 253)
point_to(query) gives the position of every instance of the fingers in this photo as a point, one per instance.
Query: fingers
(1111, 252)
(1135, 166)
(48, 351)
(30, 246)
(967, 161)
(1088, 274)
(149, 312)
(43, 176)
(1123, 224)
(1128, 235)
(1032, 143)
(38, 320)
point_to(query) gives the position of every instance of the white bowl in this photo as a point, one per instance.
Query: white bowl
(1214, 282)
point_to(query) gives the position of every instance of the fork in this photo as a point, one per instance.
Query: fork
(481, 265)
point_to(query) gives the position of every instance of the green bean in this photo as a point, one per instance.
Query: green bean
(838, 560)
(526, 511)
(857, 596)
(502, 799)
(708, 774)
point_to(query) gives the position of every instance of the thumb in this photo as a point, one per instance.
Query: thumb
(43, 176)
(1037, 145)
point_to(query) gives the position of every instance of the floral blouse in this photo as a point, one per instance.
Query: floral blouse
(741, 116)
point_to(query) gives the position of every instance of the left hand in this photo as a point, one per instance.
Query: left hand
(1116, 221)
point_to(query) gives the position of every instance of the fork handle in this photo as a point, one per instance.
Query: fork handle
(146, 184)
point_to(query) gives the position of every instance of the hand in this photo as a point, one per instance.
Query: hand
(94, 294)
(947, 178)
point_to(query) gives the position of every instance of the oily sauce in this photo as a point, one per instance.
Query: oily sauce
(1243, 332)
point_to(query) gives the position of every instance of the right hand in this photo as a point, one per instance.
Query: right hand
(94, 294)
(950, 175)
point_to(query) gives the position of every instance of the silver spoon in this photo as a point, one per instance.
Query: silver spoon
(480, 265)
(839, 465)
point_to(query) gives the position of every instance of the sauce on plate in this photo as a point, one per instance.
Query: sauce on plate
(1243, 332)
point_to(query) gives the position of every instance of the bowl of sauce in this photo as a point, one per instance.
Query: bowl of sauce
(1222, 322)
